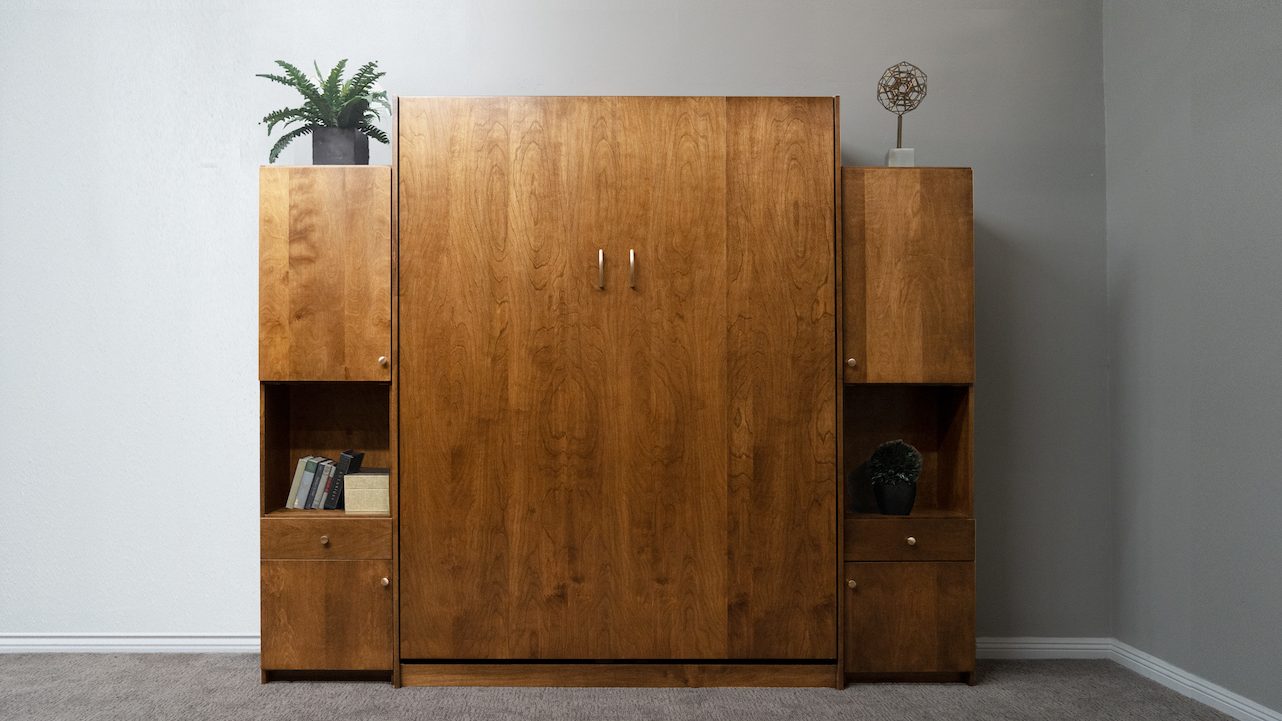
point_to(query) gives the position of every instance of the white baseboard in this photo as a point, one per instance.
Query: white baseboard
(1127, 656)
(127, 643)
(1043, 647)
(1191, 685)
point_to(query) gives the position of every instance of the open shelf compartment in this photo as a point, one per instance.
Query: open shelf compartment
(319, 419)
(935, 419)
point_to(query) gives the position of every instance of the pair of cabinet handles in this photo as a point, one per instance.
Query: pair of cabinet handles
(600, 268)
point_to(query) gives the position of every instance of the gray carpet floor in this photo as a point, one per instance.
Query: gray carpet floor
(195, 687)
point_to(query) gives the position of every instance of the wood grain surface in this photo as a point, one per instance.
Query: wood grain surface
(782, 406)
(326, 615)
(319, 536)
(566, 450)
(617, 675)
(885, 538)
(910, 617)
(909, 275)
(324, 292)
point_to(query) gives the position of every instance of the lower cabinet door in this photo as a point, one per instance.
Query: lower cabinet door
(910, 617)
(327, 615)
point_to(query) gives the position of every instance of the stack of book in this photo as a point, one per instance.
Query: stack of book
(318, 481)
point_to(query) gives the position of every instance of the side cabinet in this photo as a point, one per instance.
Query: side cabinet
(327, 579)
(908, 368)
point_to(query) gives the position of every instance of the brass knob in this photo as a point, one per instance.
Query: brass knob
(385, 581)
(911, 541)
(382, 361)
(851, 362)
(851, 583)
(324, 540)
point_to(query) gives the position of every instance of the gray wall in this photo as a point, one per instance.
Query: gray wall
(1194, 98)
(128, 244)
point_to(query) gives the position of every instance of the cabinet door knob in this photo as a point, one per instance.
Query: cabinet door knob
(911, 541)
(851, 362)
(324, 540)
(382, 361)
(385, 581)
(851, 583)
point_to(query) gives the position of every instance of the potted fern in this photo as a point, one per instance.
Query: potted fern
(894, 469)
(338, 114)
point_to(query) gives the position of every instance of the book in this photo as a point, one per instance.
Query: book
(348, 462)
(366, 492)
(305, 485)
(322, 470)
(322, 487)
(298, 478)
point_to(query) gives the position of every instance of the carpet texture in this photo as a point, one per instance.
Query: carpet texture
(201, 687)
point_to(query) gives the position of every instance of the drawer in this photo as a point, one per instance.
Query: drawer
(904, 538)
(339, 537)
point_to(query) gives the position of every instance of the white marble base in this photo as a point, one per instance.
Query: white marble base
(900, 158)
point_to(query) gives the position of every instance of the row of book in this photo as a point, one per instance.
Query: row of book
(318, 481)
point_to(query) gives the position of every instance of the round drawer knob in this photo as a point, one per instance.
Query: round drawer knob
(324, 540)
(911, 541)
(382, 361)
(386, 581)
(851, 362)
(851, 583)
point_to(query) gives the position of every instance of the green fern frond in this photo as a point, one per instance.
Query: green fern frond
(362, 81)
(304, 85)
(353, 112)
(373, 132)
(293, 115)
(331, 85)
(288, 138)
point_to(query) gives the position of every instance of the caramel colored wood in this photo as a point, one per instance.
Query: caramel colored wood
(324, 273)
(619, 675)
(325, 537)
(394, 419)
(910, 617)
(782, 407)
(610, 504)
(571, 476)
(320, 419)
(839, 326)
(885, 538)
(909, 269)
(936, 420)
(326, 615)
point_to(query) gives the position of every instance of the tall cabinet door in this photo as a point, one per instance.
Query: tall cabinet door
(909, 270)
(781, 159)
(502, 373)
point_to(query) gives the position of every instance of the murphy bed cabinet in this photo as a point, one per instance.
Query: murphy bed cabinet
(619, 354)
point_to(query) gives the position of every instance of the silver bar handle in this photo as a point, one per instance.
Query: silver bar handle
(632, 268)
(600, 268)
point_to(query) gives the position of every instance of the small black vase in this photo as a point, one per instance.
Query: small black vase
(339, 146)
(895, 499)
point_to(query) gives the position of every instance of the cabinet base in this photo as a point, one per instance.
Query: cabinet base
(966, 677)
(267, 676)
(689, 675)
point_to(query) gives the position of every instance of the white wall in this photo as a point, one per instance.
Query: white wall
(128, 202)
(1194, 97)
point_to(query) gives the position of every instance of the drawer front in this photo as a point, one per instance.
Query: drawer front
(910, 539)
(326, 615)
(326, 538)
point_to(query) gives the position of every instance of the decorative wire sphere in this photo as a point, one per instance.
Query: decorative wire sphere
(901, 88)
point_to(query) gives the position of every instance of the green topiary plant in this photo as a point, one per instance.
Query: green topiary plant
(894, 463)
(329, 102)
